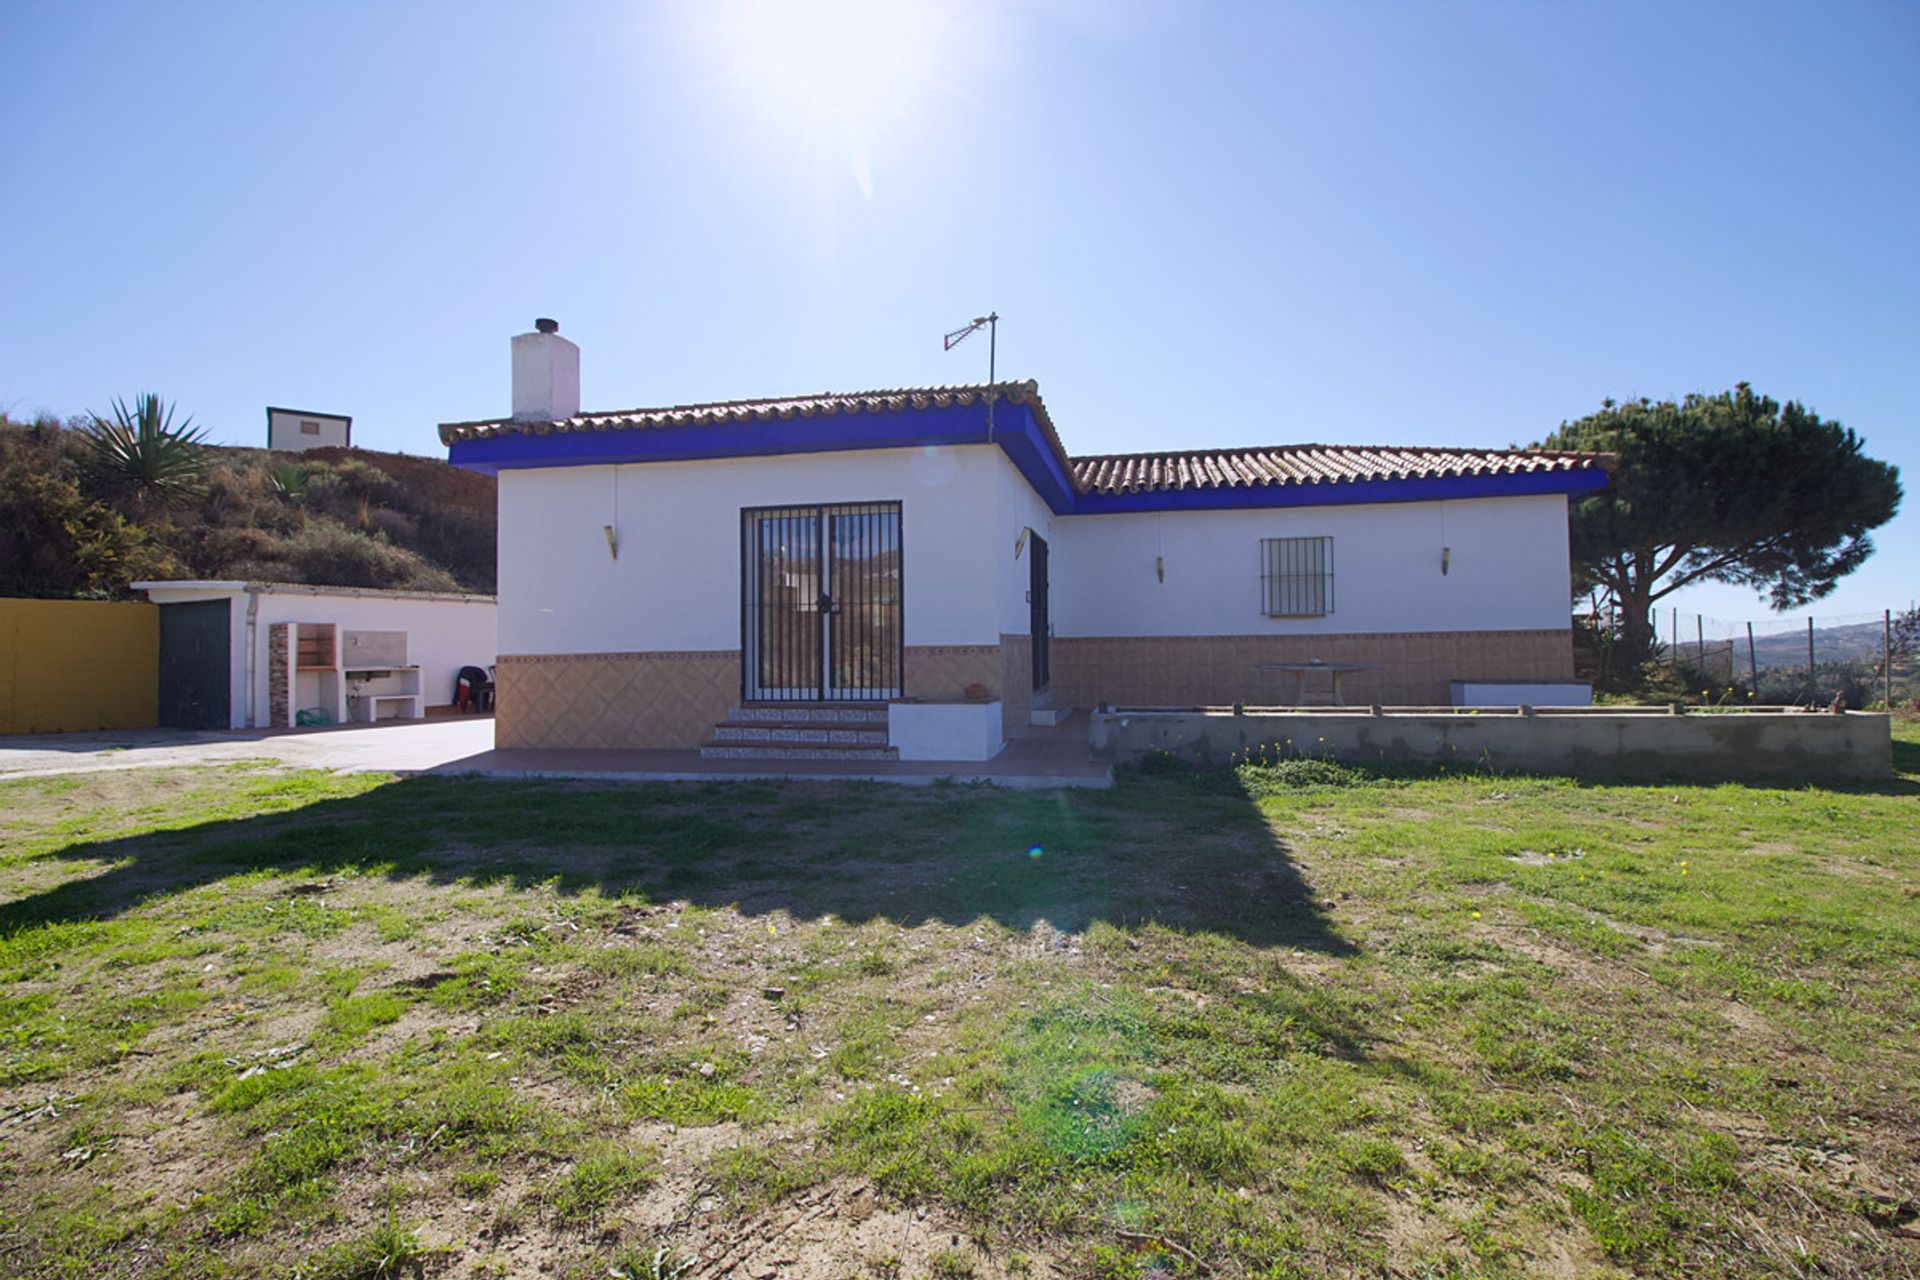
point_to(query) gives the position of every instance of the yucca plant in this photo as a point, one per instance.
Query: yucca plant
(289, 481)
(142, 446)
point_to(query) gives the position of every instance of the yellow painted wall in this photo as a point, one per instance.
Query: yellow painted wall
(71, 665)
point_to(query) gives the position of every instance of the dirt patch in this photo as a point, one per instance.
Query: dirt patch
(1657, 940)
(1749, 1021)
(1543, 950)
(831, 1231)
(843, 1230)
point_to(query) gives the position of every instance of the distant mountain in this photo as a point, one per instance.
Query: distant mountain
(1855, 642)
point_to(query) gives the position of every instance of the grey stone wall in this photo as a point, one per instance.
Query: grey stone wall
(1781, 746)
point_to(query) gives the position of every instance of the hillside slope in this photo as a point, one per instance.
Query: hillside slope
(336, 517)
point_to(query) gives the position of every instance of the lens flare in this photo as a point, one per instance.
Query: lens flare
(1034, 851)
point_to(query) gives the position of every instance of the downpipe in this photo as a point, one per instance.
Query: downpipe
(253, 654)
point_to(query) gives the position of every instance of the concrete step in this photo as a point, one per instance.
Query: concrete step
(723, 750)
(820, 733)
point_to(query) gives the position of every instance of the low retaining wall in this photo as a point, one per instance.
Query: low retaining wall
(1646, 743)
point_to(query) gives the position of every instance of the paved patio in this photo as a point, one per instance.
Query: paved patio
(1039, 757)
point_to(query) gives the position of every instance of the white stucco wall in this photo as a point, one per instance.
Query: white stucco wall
(675, 585)
(1507, 569)
(443, 635)
(676, 582)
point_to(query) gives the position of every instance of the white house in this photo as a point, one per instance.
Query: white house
(726, 575)
(240, 655)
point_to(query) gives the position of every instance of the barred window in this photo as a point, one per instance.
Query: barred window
(1296, 577)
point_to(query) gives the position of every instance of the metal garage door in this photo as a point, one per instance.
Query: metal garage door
(195, 641)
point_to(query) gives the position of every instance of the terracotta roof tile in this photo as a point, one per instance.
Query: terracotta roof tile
(825, 404)
(1248, 468)
(1310, 464)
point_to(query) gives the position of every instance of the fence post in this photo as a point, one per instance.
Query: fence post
(1753, 663)
(1886, 655)
(1813, 687)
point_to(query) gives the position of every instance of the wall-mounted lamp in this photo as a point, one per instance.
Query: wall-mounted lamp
(1446, 560)
(1020, 543)
(613, 543)
(1160, 568)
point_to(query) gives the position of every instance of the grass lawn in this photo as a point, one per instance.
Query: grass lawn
(1285, 1021)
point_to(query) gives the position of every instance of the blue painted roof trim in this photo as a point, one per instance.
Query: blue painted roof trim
(1015, 431)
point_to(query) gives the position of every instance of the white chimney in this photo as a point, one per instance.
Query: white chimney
(546, 374)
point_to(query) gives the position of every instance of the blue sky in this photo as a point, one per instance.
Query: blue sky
(1203, 224)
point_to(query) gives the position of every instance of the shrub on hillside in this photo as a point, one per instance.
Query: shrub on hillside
(55, 541)
(44, 447)
(336, 517)
(350, 490)
(461, 542)
(235, 496)
(394, 526)
(327, 554)
(229, 545)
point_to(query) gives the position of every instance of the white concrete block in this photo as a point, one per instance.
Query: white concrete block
(945, 730)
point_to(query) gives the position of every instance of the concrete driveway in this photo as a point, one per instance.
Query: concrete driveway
(396, 747)
(464, 745)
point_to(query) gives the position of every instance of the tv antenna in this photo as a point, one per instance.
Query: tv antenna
(991, 323)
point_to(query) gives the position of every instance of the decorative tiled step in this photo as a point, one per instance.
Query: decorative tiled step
(783, 731)
(820, 733)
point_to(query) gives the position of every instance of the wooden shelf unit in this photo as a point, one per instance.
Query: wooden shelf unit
(316, 646)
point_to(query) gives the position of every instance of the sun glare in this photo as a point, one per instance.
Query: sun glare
(832, 76)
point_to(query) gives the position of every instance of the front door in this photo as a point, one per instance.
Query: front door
(820, 592)
(1041, 631)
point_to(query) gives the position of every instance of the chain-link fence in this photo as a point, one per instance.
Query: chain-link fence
(1858, 659)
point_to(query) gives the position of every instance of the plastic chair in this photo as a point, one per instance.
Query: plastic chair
(473, 690)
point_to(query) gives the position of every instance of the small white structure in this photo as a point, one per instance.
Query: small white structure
(788, 572)
(256, 655)
(1522, 693)
(297, 430)
(945, 730)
